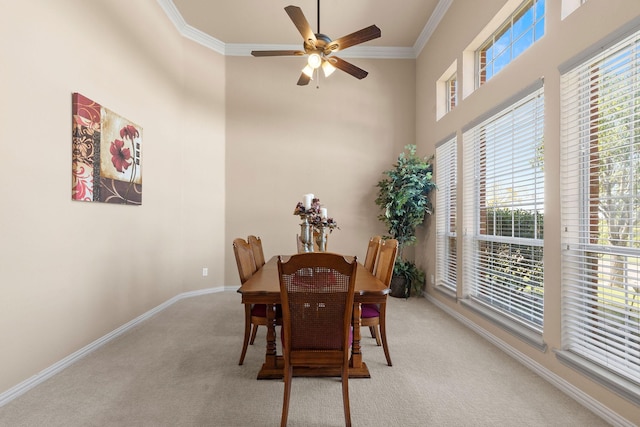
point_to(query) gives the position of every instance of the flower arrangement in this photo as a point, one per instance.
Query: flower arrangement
(316, 215)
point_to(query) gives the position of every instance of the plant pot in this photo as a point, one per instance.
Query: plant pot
(399, 287)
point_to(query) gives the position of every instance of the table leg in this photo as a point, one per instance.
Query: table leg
(272, 366)
(356, 354)
(271, 356)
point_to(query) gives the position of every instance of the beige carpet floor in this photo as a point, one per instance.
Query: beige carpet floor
(179, 368)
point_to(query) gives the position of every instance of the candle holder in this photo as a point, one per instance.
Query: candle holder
(315, 224)
(306, 235)
(321, 239)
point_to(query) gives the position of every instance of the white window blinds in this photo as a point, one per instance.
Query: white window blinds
(446, 199)
(504, 211)
(601, 208)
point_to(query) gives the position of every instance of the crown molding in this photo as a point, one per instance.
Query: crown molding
(204, 39)
(432, 24)
(187, 30)
(372, 52)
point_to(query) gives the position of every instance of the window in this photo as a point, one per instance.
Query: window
(524, 27)
(452, 93)
(601, 209)
(568, 6)
(447, 91)
(446, 253)
(504, 212)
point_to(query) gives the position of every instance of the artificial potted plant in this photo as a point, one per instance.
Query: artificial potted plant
(403, 197)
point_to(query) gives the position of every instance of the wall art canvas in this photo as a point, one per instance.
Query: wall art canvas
(106, 159)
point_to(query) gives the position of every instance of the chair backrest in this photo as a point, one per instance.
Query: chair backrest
(372, 253)
(256, 247)
(386, 260)
(244, 259)
(317, 304)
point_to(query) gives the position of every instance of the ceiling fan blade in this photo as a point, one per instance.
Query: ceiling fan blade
(277, 53)
(361, 36)
(301, 23)
(303, 80)
(348, 67)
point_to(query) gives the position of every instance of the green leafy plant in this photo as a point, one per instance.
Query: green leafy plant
(403, 197)
(414, 277)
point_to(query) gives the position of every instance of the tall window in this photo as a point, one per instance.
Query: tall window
(524, 27)
(504, 210)
(601, 208)
(447, 177)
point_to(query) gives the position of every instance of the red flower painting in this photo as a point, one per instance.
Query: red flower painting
(106, 155)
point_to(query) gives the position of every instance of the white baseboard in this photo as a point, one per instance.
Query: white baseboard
(52, 370)
(560, 383)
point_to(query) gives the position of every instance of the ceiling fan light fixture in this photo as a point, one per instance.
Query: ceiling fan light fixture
(314, 60)
(328, 68)
(308, 70)
(318, 47)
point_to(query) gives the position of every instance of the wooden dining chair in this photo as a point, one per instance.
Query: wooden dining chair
(317, 291)
(372, 253)
(256, 248)
(374, 315)
(254, 314)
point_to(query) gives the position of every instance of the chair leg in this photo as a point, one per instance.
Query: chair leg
(345, 396)
(253, 334)
(247, 330)
(372, 331)
(377, 334)
(288, 376)
(383, 332)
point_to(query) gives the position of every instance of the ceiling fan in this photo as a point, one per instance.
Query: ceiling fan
(320, 48)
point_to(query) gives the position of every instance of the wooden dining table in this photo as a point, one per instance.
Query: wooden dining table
(264, 288)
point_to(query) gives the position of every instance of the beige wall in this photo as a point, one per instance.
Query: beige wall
(211, 171)
(230, 146)
(284, 141)
(586, 27)
(71, 272)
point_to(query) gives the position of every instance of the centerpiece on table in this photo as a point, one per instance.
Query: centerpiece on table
(315, 223)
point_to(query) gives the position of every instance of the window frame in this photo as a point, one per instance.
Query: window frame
(482, 64)
(451, 88)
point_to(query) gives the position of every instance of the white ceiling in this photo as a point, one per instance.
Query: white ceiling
(235, 27)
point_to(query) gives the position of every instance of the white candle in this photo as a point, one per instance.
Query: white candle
(306, 200)
(323, 213)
